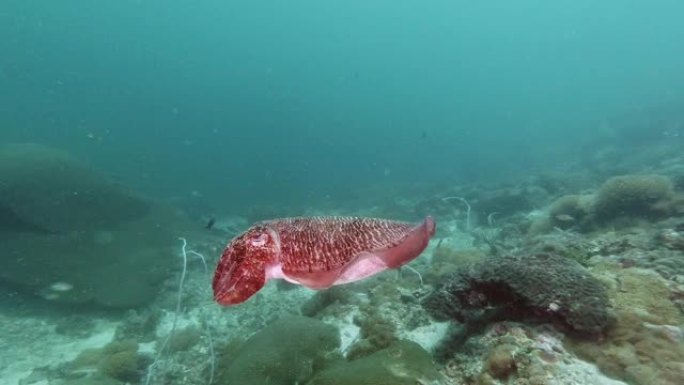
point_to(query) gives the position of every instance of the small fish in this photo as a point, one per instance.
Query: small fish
(565, 218)
(61, 286)
(210, 223)
(315, 252)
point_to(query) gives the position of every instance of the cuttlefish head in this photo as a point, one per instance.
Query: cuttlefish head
(241, 270)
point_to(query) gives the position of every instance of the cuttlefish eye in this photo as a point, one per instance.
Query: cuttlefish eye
(259, 240)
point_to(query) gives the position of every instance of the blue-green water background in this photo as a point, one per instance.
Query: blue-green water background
(303, 102)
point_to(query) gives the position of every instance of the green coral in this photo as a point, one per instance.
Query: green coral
(376, 333)
(402, 363)
(51, 191)
(285, 352)
(570, 211)
(500, 362)
(184, 339)
(320, 301)
(619, 202)
(118, 360)
(123, 366)
(446, 259)
(633, 196)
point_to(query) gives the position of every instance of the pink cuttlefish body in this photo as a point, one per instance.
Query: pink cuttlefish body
(315, 252)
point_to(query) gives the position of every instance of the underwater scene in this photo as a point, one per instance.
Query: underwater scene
(447, 192)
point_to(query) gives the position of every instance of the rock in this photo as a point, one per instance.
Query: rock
(72, 236)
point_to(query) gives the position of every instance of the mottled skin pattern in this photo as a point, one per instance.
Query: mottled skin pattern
(321, 244)
(316, 252)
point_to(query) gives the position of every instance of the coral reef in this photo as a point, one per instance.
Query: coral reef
(76, 325)
(376, 333)
(447, 259)
(570, 211)
(119, 360)
(672, 238)
(325, 298)
(620, 202)
(402, 363)
(92, 381)
(507, 201)
(500, 361)
(646, 344)
(284, 352)
(635, 196)
(529, 288)
(546, 286)
(139, 326)
(184, 339)
(515, 354)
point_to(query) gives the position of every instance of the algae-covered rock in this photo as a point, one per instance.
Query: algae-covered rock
(376, 333)
(122, 267)
(71, 235)
(184, 339)
(123, 271)
(570, 211)
(500, 362)
(95, 380)
(118, 360)
(47, 189)
(402, 363)
(284, 353)
(325, 298)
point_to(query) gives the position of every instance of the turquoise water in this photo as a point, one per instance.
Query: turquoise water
(149, 120)
(261, 100)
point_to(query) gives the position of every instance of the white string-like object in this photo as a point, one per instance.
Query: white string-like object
(420, 277)
(212, 362)
(174, 323)
(465, 202)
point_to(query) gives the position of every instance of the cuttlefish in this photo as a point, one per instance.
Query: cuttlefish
(315, 252)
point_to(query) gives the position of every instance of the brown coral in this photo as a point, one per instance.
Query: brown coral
(500, 362)
(540, 285)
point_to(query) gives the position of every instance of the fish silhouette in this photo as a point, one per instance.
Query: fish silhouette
(210, 223)
(315, 252)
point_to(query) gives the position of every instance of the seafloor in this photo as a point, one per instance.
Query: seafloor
(559, 279)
